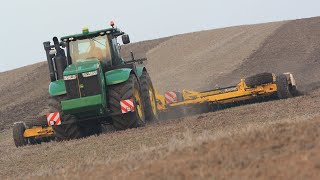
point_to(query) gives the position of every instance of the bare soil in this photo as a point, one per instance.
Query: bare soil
(294, 47)
(196, 60)
(270, 140)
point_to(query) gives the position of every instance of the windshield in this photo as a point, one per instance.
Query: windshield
(90, 48)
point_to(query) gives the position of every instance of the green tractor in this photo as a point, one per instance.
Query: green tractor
(92, 85)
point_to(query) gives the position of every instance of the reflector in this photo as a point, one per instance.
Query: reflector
(112, 24)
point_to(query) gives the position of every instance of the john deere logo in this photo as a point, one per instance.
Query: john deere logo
(81, 86)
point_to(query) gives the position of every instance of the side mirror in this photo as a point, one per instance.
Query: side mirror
(125, 39)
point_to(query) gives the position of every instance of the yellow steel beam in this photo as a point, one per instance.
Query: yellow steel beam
(232, 94)
(38, 131)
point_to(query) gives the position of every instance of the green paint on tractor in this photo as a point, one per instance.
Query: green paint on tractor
(117, 76)
(84, 104)
(121, 75)
(140, 70)
(89, 34)
(82, 66)
(57, 88)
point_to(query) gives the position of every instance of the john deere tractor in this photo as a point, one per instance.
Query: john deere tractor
(91, 85)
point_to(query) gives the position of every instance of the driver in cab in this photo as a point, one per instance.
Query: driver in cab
(94, 51)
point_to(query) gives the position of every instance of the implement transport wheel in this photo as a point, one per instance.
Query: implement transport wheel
(283, 87)
(258, 79)
(124, 91)
(34, 141)
(149, 98)
(18, 138)
(65, 131)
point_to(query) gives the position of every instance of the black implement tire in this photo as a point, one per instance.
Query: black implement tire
(34, 141)
(283, 88)
(18, 138)
(65, 131)
(149, 98)
(258, 79)
(125, 91)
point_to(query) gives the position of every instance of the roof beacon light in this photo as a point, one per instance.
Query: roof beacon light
(112, 24)
(85, 31)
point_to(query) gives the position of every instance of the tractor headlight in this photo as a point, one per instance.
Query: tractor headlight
(89, 74)
(70, 77)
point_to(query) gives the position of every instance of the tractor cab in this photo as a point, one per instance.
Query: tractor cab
(88, 46)
(101, 45)
(84, 49)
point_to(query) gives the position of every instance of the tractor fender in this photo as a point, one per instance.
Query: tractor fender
(57, 88)
(117, 76)
(140, 70)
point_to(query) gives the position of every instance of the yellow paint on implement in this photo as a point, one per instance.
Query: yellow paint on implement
(38, 132)
(222, 96)
(161, 102)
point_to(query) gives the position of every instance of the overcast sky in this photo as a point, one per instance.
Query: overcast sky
(26, 24)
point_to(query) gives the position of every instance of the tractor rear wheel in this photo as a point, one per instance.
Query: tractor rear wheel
(283, 87)
(18, 138)
(124, 91)
(65, 131)
(258, 79)
(149, 97)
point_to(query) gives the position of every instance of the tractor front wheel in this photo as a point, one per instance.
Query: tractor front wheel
(65, 131)
(68, 131)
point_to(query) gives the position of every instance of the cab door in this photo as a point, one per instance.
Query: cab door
(116, 60)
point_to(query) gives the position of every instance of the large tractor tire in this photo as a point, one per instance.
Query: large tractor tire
(149, 97)
(283, 87)
(18, 138)
(65, 131)
(258, 79)
(124, 91)
(92, 127)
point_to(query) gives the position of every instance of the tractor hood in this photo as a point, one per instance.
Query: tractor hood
(82, 66)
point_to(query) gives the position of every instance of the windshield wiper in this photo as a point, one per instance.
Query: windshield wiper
(98, 42)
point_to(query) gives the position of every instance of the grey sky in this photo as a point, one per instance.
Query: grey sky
(26, 24)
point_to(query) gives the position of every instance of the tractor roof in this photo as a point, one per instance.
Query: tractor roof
(87, 34)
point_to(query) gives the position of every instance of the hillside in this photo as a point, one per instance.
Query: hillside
(198, 60)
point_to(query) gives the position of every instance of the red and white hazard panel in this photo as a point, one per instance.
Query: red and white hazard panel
(127, 106)
(54, 119)
(171, 97)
